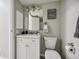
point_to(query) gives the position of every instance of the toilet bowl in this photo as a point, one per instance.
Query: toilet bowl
(51, 53)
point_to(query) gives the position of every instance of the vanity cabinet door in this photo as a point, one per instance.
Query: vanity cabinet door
(28, 48)
(21, 49)
(32, 48)
(24, 48)
(35, 49)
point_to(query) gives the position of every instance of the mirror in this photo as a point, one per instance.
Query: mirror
(19, 20)
(30, 19)
(35, 19)
(34, 23)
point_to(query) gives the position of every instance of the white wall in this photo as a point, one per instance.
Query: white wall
(5, 18)
(70, 13)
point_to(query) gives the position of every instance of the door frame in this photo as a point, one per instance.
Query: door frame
(12, 30)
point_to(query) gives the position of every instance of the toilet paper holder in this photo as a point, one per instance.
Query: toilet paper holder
(70, 47)
(71, 44)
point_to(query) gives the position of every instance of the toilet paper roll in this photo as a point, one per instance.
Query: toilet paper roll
(67, 47)
(45, 28)
(70, 49)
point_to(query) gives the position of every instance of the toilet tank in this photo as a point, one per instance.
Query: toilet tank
(50, 42)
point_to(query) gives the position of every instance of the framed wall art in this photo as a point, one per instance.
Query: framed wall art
(51, 13)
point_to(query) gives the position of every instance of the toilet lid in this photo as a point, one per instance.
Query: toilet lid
(52, 54)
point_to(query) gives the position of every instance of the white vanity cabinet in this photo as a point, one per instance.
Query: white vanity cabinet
(28, 47)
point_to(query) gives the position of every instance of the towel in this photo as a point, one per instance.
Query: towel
(77, 29)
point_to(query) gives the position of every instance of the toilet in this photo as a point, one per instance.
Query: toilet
(51, 53)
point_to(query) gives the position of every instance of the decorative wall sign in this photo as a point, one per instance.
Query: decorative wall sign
(51, 13)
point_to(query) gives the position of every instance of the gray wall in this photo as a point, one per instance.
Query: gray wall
(53, 24)
(63, 28)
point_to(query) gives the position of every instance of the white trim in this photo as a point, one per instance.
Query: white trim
(11, 31)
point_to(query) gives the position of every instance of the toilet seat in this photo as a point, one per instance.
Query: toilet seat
(52, 54)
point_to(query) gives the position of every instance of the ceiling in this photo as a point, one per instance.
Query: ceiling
(30, 2)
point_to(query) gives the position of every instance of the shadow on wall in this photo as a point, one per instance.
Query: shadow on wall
(61, 49)
(58, 46)
(42, 44)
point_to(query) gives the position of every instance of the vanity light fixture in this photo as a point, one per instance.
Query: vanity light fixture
(35, 11)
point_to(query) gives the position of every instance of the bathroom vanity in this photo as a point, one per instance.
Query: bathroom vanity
(28, 46)
(28, 26)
